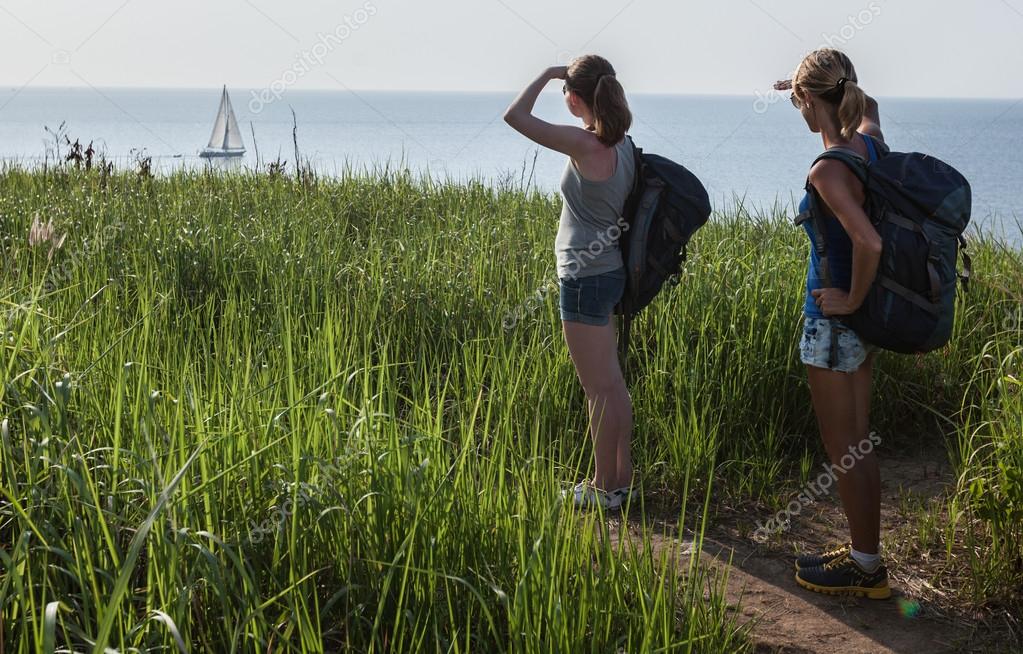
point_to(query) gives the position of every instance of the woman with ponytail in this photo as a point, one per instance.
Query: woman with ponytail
(597, 180)
(839, 363)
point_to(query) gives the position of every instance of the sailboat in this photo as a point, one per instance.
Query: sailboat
(226, 140)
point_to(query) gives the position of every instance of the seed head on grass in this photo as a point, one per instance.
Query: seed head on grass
(42, 233)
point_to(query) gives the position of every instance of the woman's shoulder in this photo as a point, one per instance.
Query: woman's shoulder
(594, 146)
(828, 172)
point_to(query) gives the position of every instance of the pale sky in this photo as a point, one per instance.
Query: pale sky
(738, 47)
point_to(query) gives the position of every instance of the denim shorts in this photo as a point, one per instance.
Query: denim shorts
(815, 347)
(591, 300)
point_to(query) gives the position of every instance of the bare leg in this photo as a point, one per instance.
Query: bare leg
(594, 353)
(863, 379)
(842, 404)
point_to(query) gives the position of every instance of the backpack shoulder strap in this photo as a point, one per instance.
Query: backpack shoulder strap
(637, 156)
(631, 203)
(851, 158)
(813, 214)
(858, 165)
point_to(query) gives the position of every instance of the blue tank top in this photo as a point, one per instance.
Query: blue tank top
(839, 247)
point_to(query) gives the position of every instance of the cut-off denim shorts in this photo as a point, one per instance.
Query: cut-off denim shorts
(816, 348)
(591, 300)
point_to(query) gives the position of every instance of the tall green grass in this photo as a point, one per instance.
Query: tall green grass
(245, 413)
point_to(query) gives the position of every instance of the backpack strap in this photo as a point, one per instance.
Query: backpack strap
(813, 214)
(851, 158)
(625, 311)
(858, 165)
(637, 157)
(911, 296)
(820, 246)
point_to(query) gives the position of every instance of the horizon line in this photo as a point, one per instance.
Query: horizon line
(21, 88)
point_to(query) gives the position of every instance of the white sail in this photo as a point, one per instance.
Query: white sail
(226, 137)
(233, 137)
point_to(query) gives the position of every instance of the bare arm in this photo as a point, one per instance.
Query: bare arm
(834, 181)
(573, 141)
(871, 124)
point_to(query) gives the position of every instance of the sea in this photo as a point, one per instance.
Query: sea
(753, 150)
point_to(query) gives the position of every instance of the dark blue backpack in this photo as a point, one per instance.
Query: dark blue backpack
(666, 206)
(920, 206)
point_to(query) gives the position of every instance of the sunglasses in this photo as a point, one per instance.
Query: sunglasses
(796, 102)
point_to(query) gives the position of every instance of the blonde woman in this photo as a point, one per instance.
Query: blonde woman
(597, 180)
(839, 363)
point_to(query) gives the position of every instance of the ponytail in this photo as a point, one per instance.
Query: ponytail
(611, 115)
(593, 78)
(851, 109)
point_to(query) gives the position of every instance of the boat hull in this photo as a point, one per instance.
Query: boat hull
(221, 154)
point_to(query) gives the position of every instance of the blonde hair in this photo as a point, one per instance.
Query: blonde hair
(593, 79)
(830, 75)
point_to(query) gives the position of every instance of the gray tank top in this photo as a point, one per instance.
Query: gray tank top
(591, 218)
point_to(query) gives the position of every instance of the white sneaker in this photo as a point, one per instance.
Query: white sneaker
(625, 494)
(585, 496)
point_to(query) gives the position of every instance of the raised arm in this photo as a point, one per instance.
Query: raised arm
(871, 124)
(566, 139)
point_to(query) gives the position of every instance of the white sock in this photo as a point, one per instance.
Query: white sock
(868, 562)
